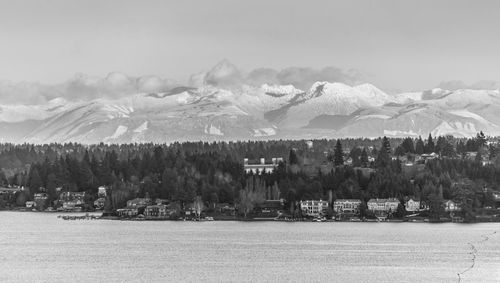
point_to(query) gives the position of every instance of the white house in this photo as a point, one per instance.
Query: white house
(450, 206)
(261, 167)
(412, 205)
(314, 207)
(383, 205)
(346, 205)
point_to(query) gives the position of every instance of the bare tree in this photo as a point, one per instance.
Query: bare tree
(198, 206)
(249, 198)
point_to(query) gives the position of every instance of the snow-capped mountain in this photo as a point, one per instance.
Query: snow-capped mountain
(219, 105)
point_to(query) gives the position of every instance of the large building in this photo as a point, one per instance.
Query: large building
(314, 207)
(383, 205)
(134, 207)
(262, 167)
(156, 212)
(346, 205)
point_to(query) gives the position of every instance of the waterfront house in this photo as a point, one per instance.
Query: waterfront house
(451, 206)
(262, 167)
(314, 208)
(75, 197)
(40, 196)
(271, 207)
(156, 212)
(225, 208)
(101, 192)
(383, 205)
(99, 203)
(128, 211)
(412, 205)
(72, 201)
(134, 207)
(71, 206)
(40, 200)
(346, 205)
(9, 194)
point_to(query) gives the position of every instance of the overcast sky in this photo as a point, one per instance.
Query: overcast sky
(401, 44)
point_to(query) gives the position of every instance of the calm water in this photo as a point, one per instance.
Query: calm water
(41, 247)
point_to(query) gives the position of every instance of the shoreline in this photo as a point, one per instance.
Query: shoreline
(97, 215)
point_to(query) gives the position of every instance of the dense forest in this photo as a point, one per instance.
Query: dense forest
(180, 172)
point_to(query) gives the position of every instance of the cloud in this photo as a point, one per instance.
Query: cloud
(25, 92)
(457, 84)
(82, 87)
(262, 76)
(303, 78)
(223, 74)
(116, 85)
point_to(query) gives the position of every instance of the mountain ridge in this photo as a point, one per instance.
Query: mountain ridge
(235, 111)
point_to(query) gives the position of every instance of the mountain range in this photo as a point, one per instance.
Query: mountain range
(221, 105)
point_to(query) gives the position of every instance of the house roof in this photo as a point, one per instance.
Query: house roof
(347, 200)
(383, 200)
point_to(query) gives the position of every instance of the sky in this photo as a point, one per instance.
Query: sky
(407, 45)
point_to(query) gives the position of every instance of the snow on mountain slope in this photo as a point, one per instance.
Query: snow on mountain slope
(212, 112)
(436, 116)
(19, 113)
(332, 99)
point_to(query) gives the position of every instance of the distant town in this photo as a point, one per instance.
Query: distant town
(437, 179)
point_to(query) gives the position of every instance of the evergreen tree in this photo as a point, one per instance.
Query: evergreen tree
(364, 158)
(338, 154)
(419, 146)
(34, 180)
(407, 145)
(384, 154)
(429, 147)
(292, 158)
(480, 140)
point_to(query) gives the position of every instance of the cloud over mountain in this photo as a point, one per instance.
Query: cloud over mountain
(226, 74)
(115, 85)
(82, 87)
(457, 84)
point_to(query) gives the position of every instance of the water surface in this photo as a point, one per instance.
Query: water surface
(39, 247)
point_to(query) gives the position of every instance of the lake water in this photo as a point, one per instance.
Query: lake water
(39, 247)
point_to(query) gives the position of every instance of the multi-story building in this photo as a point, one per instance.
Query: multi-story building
(346, 205)
(156, 212)
(134, 207)
(262, 167)
(383, 205)
(314, 207)
(128, 211)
